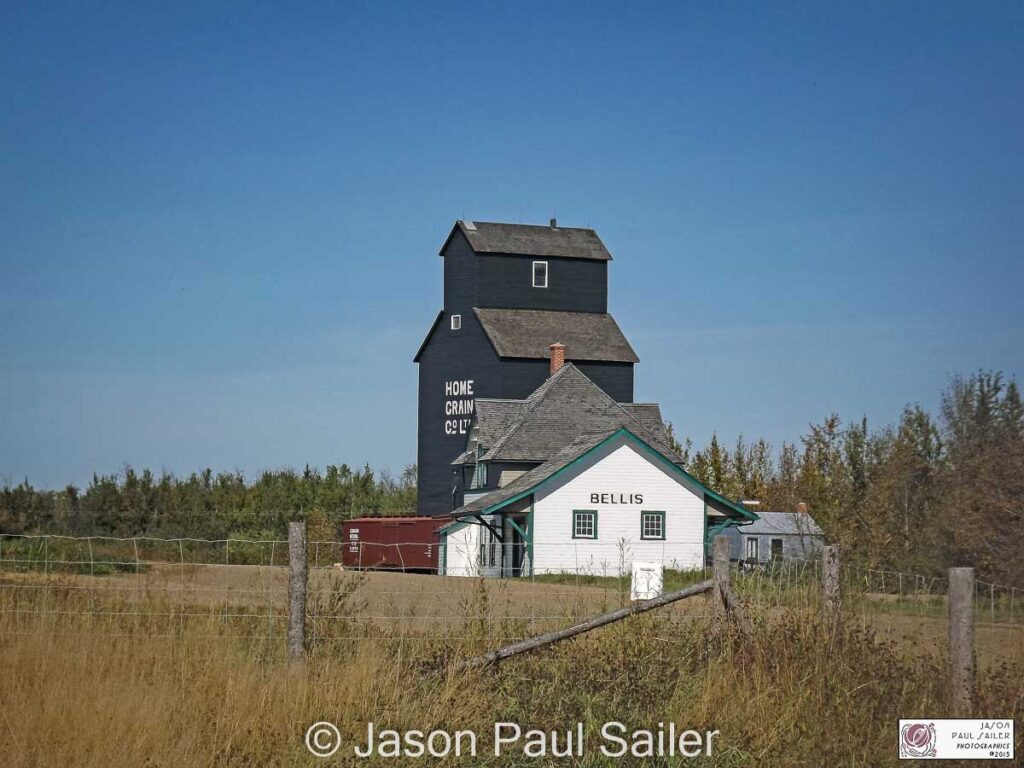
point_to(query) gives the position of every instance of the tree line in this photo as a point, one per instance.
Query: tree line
(921, 495)
(928, 492)
(207, 505)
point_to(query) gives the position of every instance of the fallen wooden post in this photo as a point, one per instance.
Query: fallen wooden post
(640, 606)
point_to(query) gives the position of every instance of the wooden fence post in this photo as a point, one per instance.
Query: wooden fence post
(830, 582)
(961, 640)
(296, 591)
(720, 574)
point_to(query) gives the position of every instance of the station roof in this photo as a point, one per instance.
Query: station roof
(784, 524)
(564, 407)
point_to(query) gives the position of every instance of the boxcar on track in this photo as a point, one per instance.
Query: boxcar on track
(392, 543)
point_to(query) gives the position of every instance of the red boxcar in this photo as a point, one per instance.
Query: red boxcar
(392, 543)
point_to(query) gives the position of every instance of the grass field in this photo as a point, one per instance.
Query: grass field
(184, 665)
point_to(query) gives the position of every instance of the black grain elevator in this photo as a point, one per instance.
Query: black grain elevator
(510, 292)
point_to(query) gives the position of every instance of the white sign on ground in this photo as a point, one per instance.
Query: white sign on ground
(648, 580)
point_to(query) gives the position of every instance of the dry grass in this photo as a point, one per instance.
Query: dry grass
(129, 672)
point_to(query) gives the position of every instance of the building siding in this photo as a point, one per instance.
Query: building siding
(461, 276)
(617, 470)
(467, 354)
(577, 285)
(461, 551)
(794, 546)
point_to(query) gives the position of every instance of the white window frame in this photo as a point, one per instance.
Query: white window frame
(649, 516)
(456, 322)
(488, 547)
(578, 516)
(533, 274)
(753, 547)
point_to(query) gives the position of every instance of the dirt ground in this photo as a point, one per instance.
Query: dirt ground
(420, 602)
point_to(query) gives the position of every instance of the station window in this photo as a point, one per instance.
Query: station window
(540, 274)
(652, 525)
(488, 547)
(584, 524)
(456, 322)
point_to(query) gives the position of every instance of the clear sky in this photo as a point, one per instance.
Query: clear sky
(219, 222)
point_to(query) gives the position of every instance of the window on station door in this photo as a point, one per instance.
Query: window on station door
(652, 525)
(584, 524)
(488, 546)
(540, 274)
(456, 322)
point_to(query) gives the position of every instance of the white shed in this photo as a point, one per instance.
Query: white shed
(777, 536)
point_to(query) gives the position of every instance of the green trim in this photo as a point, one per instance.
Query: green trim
(584, 512)
(739, 509)
(710, 531)
(529, 539)
(652, 512)
(456, 525)
(515, 525)
(705, 539)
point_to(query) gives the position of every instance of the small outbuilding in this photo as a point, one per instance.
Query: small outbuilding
(776, 536)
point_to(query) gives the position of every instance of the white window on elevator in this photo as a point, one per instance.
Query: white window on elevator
(456, 322)
(540, 274)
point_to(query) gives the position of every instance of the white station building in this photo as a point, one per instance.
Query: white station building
(568, 480)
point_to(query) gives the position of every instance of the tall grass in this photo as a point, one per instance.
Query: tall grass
(98, 678)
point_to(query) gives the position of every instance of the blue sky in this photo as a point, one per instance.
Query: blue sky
(219, 222)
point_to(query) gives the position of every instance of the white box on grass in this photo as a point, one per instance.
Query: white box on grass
(648, 580)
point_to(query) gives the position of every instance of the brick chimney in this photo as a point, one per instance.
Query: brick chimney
(801, 508)
(557, 357)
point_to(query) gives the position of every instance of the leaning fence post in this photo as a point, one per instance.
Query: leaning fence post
(720, 574)
(296, 590)
(961, 640)
(830, 582)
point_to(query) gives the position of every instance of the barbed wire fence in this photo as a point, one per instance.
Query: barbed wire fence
(235, 589)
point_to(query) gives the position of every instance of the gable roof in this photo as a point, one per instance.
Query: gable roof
(495, 417)
(784, 523)
(529, 333)
(649, 415)
(531, 240)
(536, 478)
(564, 407)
